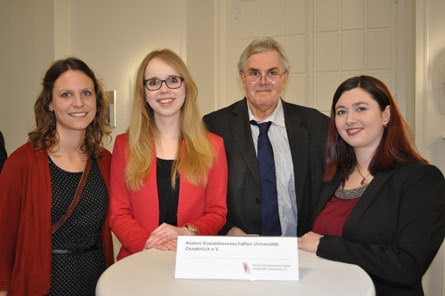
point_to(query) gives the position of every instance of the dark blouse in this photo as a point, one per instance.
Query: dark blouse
(78, 259)
(168, 196)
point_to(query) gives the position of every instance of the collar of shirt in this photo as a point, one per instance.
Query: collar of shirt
(277, 116)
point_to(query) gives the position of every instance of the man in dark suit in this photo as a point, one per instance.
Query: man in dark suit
(298, 136)
(3, 154)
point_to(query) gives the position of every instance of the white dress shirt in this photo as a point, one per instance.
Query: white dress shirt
(284, 169)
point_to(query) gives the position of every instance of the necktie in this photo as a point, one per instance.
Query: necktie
(270, 220)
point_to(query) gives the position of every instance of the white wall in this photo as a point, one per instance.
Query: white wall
(111, 36)
(430, 107)
(202, 51)
(26, 49)
(433, 145)
(114, 36)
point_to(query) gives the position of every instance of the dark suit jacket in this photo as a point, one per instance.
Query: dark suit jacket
(307, 132)
(3, 154)
(395, 229)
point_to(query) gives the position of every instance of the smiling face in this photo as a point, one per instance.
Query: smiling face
(165, 102)
(263, 96)
(73, 101)
(359, 119)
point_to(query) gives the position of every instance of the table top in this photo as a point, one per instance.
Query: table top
(152, 272)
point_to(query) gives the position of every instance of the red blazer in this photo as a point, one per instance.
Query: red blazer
(134, 215)
(25, 222)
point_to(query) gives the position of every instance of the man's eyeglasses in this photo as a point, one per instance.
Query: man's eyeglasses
(172, 82)
(254, 76)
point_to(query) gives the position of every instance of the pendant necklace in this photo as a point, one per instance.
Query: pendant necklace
(364, 180)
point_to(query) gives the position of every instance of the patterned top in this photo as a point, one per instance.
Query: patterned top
(77, 260)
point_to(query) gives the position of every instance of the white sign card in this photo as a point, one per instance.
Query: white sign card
(240, 258)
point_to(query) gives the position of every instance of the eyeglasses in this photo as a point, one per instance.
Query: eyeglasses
(254, 76)
(172, 82)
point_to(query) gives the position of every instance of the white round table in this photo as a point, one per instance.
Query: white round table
(152, 272)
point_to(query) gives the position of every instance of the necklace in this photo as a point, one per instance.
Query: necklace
(364, 180)
(350, 193)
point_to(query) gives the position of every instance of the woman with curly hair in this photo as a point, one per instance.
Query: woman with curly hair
(54, 231)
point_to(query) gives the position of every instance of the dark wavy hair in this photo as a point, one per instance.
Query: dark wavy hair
(44, 134)
(395, 146)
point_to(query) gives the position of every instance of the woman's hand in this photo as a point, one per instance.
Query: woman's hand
(165, 236)
(309, 242)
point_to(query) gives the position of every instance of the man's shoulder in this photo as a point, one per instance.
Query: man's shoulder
(221, 116)
(217, 113)
(302, 109)
(225, 111)
(218, 121)
(304, 114)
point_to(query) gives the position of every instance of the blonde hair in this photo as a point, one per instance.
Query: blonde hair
(198, 156)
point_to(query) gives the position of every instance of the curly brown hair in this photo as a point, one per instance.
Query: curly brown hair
(44, 135)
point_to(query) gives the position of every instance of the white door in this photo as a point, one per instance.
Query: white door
(326, 41)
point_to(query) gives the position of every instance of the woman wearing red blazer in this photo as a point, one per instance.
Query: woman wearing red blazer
(168, 174)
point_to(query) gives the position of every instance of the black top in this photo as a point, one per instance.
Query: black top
(168, 196)
(3, 154)
(77, 272)
(394, 231)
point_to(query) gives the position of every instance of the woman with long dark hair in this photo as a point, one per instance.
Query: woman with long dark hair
(383, 205)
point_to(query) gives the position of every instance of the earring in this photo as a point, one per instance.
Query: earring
(94, 122)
